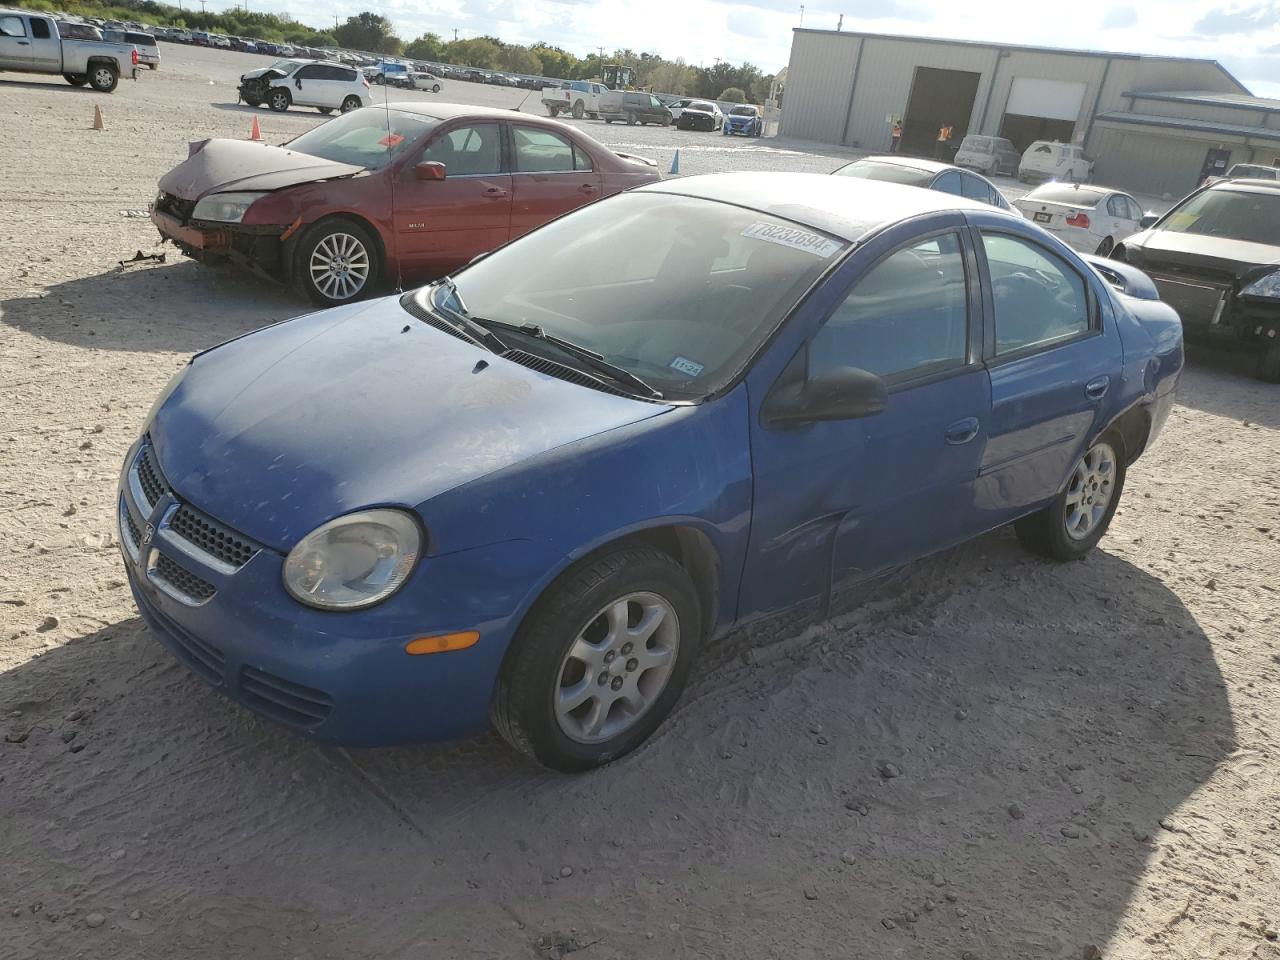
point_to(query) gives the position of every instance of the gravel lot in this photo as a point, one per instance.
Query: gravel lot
(989, 757)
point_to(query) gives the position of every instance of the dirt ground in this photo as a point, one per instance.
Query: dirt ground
(990, 757)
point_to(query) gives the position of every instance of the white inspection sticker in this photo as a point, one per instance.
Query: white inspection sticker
(687, 367)
(793, 237)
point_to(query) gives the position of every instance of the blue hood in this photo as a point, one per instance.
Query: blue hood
(282, 430)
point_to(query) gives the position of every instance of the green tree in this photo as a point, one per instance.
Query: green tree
(733, 95)
(370, 32)
(476, 52)
(515, 59)
(668, 76)
(429, 46)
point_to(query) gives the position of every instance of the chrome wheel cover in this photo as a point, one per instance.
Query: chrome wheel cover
(339, 266)
(616, 668)
(1089, 491)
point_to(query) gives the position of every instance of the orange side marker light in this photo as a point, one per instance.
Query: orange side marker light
(450, 641)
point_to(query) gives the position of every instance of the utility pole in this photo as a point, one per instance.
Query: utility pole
(802, 14)
(840, 23)
(455, 34)
(202, 3)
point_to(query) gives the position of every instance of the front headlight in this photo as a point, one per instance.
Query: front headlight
(225, 207)
(1268, 286)
(354, 561)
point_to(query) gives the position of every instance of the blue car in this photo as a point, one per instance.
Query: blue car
(745, 120)
(529, 494)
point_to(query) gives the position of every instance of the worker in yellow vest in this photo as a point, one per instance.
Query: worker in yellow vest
(895, 142)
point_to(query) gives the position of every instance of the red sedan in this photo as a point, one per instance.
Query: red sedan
(405, 194)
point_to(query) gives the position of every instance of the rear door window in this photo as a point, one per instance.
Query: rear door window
(1039, 300)
(541, 151)
(975, 189)
(949, 182)
(39, 29)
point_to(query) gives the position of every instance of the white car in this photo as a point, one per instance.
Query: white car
(676, 106)
(322, 84)
(1050, 160)
(1086, 218)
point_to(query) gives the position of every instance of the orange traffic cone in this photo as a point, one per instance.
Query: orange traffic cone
(97, 118)
(254, 132)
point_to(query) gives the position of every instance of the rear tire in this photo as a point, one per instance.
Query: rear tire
(336, 262)
(1074, 521)
(1269, 364)
(435, 88)
(578, 110)
(1105, 247)
(279, 100)
(569, 639)
(76, 79)
(553, 111)
(104, 77)
(631, 119)
(351, 103)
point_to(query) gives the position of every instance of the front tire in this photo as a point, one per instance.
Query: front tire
(578, 110)
(435, 88)
(600, 661)
(104, 77)
(631, 119)
(351, 103)
(1078, 517)
(279, 100)
(1105, 247)
(1269, 364)
(336, 262)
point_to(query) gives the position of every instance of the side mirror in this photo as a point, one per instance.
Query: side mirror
(429, 170)
(843, 393)
(1147, 222)
(298, 82)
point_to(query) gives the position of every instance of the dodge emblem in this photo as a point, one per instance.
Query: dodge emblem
(148, 533)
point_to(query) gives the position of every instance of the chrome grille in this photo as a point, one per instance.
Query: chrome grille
(187, 585)
(132, 535)
(150, 479)
(212, 537)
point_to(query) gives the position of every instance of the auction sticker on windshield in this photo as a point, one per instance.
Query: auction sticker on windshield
(793, 237)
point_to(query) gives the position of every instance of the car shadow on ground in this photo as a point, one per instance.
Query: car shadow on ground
(179, 306)
(1224, 382)
(52, 82)
(983, 757)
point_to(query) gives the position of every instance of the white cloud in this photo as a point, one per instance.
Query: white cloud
(759, 31)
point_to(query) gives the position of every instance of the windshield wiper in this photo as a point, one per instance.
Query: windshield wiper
(469, 328)
(589, 357)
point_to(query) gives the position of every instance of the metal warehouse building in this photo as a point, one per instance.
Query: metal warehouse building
(1152, 124)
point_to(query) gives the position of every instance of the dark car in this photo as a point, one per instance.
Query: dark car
(930, 174)
(318, 212)
(633, 106)
(1216, 258)
(700, 115)
(532, 493)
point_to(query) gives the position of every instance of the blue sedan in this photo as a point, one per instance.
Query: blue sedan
(531, 493)
(744, 119)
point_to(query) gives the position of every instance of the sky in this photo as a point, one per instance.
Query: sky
(1244, 37)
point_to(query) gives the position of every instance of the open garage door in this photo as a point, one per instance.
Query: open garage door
(938, 98)
(1041, 110)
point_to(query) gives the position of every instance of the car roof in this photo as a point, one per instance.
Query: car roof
(1245, 185)
(846, 207)
(448, 111)
(915, 163)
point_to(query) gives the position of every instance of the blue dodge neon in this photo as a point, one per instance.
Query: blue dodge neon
(529, 494)
(744, 119)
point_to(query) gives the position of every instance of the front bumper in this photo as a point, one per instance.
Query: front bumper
(687, 122)
(747, 129)
(340, 678)
(196, 242)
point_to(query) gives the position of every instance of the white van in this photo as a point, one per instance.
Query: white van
(992, 156)
(1050, 160)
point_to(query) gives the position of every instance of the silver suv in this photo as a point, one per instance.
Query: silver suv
(988, 155)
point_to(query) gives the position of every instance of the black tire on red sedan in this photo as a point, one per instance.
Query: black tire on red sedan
(337, 261)
(1076, 519)
(600, 660)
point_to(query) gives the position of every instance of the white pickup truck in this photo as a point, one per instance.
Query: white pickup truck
(29, 43)
(576, 97)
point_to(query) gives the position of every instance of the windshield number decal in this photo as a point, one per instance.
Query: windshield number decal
(793, 237)
(687, 367)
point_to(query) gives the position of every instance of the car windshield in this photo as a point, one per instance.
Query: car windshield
(888, 172)
(1066, 193)
(285, 67)
(1231, 214)
(366, 138)
(743, 111)
(678, 291)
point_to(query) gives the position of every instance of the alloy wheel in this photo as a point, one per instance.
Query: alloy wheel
(1089, 491)
(339, 266)
(616, 668)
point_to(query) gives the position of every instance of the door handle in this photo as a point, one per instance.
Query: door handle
(24, 43)
(962, 431)
(587, 188)
(495, 193)
(1097, 388)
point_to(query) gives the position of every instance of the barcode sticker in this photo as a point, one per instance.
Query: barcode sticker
(793, 237)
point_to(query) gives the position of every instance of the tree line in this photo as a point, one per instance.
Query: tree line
(374, 33)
